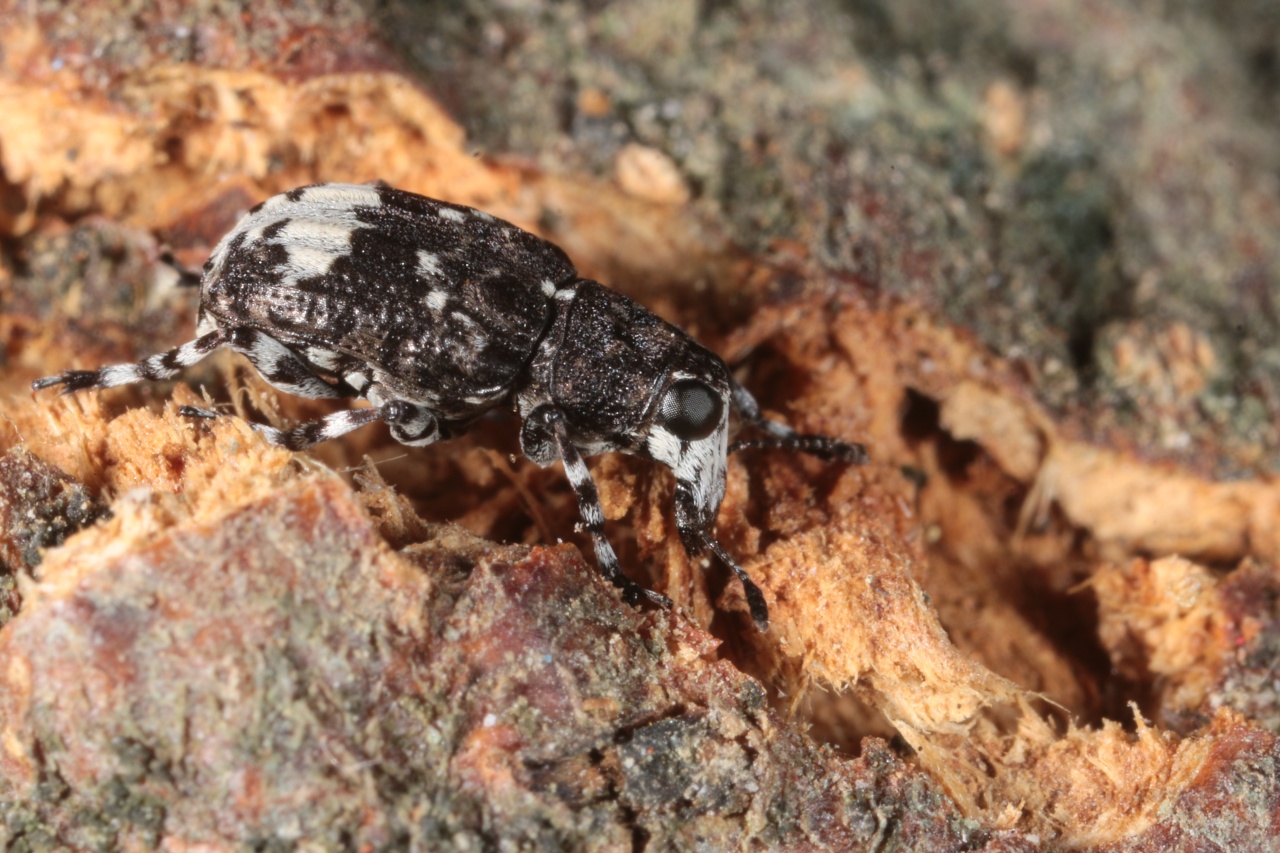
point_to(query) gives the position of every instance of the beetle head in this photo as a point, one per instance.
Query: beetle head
(688, 430)
(689, 433)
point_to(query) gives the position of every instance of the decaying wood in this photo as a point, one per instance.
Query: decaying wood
(1069, 642)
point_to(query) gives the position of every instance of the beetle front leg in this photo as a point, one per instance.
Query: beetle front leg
(545, 432)
(697, 540)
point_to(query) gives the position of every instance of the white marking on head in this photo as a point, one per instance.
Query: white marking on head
(566, 294)
(701, 464)
(452, 214)
(548, 287)
(663, 446)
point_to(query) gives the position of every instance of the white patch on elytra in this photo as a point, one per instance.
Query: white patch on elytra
(341, 195)
(275, 204)
(548, 287)
(317, 230)
(312, 246)
(437, 299)
(452, 214)
(428, 264)
(476, 336)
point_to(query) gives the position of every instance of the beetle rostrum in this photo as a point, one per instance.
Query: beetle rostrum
(437, 314)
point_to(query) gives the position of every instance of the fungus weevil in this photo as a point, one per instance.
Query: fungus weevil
(436, 314)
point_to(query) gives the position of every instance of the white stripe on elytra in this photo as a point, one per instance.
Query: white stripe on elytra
(318, 232)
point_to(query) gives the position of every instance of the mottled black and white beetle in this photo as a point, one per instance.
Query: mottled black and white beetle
(436, 314)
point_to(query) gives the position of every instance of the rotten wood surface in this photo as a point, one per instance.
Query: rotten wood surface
(1043, 617)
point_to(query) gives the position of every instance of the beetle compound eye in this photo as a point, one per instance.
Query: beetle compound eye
(690, 410)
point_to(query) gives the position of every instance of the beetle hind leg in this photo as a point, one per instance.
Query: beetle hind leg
(165, 365)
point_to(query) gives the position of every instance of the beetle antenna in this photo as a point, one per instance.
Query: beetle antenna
(822, 446)
(755, 598)
(783, 437)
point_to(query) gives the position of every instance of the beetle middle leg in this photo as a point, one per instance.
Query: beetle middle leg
(410, 424)
(544, 437)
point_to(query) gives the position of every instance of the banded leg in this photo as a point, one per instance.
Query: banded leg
(756, 604)
(329, 427)
(547, 422)
(783, 437)
(163, 365)
(282, 367)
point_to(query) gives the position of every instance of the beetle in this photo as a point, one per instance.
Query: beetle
(438, 314)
